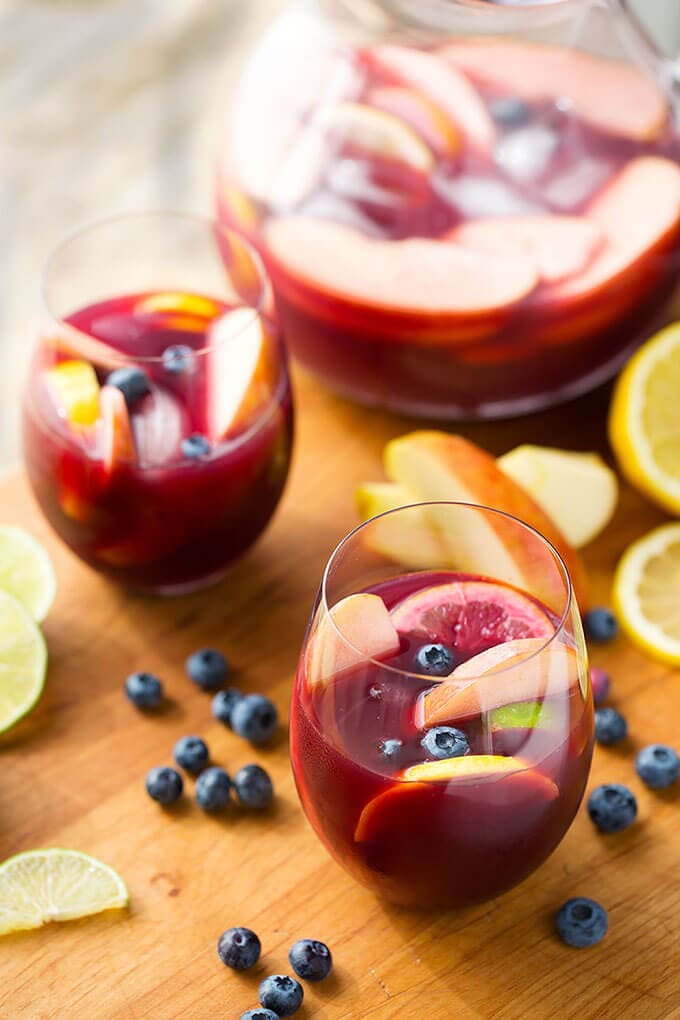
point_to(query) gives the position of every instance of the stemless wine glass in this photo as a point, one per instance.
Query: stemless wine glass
(442, 722)
(158, 413)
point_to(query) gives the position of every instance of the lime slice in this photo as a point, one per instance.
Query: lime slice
(23, 660)
(26, 571)
(55, 885)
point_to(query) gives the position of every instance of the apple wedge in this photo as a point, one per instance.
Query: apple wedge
(377, 133)
(426, 118)
(411, 541)
(443, 85)
(438, 466)
(609, 95)
(532, 671)
(239, 372)
(355, 630)
(117, 444)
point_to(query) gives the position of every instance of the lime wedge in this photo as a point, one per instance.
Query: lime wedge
(26, 571)
(524, 715)
(23, 661)
(55, 885)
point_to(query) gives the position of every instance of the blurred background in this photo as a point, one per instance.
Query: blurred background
(113, 105)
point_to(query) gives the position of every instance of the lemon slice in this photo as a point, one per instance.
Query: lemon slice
(644, 419)
(55, 885)
(647, 593)
(75, 391)
(23, 661)
(26, 571)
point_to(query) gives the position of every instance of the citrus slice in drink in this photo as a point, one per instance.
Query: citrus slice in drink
(647, 593)
(376, 133)
(26, 571)
(425, 117)
(23, 661)
(40, 886)
(74, 388)
(644, 419)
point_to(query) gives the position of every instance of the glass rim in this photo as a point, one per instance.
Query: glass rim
(461, 504)
(197, 219)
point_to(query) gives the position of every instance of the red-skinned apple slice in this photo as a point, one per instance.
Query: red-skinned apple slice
(438, 466)
(403, 538)
(413, 277)
(355, 630)
(425, 117)
(522, 670)
(561, 246)
(611, 96)
(239, 371)
(375, 132)
(512, 779)
(443, 85)
(117, 444)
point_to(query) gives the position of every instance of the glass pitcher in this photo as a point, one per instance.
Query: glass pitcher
(468, 209)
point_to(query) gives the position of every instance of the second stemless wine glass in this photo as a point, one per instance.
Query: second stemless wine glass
(442, 723)
(158, 413)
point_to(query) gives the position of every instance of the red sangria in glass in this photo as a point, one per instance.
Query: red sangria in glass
(442, 721)
(157, 414)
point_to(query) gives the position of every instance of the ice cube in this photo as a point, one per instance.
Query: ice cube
(477, 197)
(525, 155)
(351, 178)
(159, 423)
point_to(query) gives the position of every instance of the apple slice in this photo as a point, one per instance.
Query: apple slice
(419, 276)
(439, 466)
(443, 85)
(239, 372)
(426, 118)
(117, 444)
(561, 246)
(408, 540)
(532, 671)
(375, 132)
(611, 96)
(356, 629)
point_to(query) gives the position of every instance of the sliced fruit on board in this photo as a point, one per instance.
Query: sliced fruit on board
(561, 246)
(471, 616)
(644, 419)
(425, 117)
(441, 83)
(116, 442)
(439, 466)
(518, 671)
(409, 540)
(74, 389)
(647, 593)
(375, 132)
(512, 778)
(239, 368)
(610, 95)
(356, 629)
(26, 571)
(23, 662)
(553, 476)
(40, 886)
(417, 276)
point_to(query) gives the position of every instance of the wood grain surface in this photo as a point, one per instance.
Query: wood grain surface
(73, 775)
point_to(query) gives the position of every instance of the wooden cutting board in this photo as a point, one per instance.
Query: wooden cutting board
(73, 776)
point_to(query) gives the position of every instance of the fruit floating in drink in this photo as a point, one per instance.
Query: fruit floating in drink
(158, 422)
(442, 721)
(477, 227)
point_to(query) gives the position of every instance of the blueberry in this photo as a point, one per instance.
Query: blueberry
(144, 690)
(311, 960)
(658, 766)
(133, 383)
(195, 446)
(255, 718)
(164, 785)
(434, 660)
(259, 1013)
(445, 742)
(612, 807)
(223, 704)
(239, 948)
(610, 726)
(390, 747)
(510, 111)
(191, 753)
(213, 787)
(253, 787)
(178, 359)
(282, 994)
(208, 668)
(600, 625)
(601, 684)
(582, 922)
